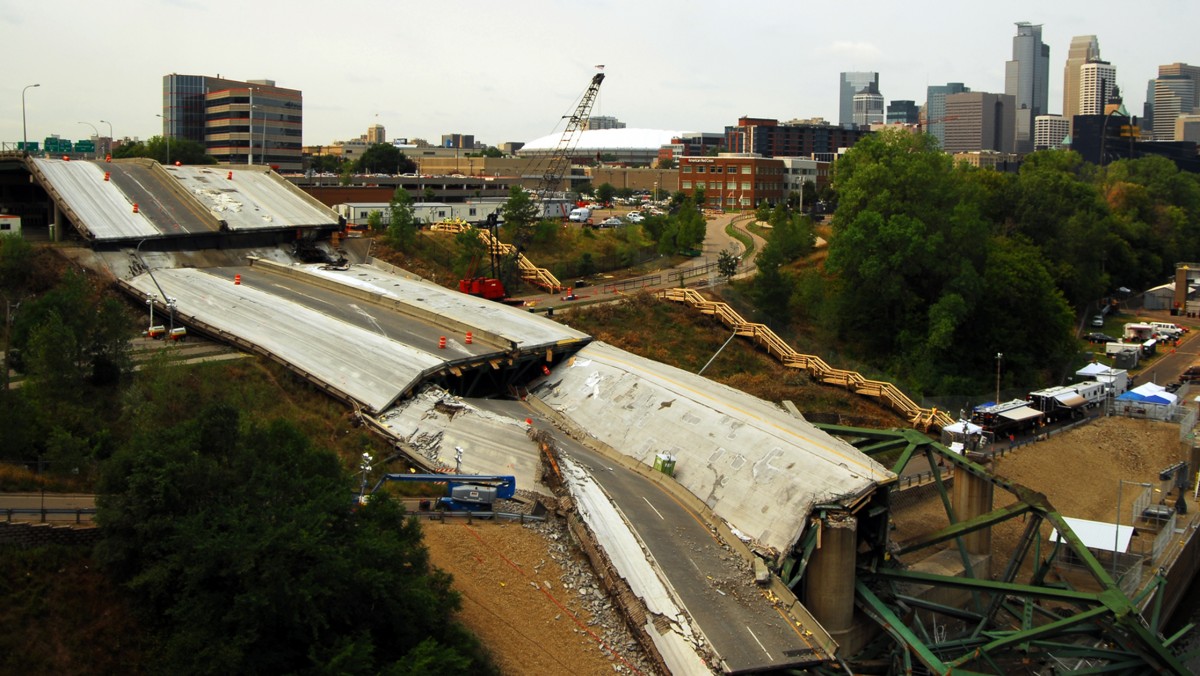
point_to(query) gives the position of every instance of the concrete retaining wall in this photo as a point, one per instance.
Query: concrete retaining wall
(28, 535)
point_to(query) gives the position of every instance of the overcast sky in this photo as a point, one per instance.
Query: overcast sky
(509, 70)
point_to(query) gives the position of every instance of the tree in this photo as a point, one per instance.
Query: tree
(605, 193)
(238, 540)
(375, 220)
(471, 251)
(325, 163)
(492, 151)
(162, 149)
(385, 158)
(402, 223)
(667, 163)
(727, 264)
(519, 213)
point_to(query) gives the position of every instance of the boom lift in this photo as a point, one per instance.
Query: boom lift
(464, 492)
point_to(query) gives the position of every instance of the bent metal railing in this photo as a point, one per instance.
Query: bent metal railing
(920, 418)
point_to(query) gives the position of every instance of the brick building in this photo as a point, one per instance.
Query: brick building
(733, 180)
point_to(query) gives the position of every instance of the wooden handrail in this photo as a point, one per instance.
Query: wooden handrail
(531, 273)
(924, 418)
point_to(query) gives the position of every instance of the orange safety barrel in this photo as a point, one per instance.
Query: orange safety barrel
(237, 279)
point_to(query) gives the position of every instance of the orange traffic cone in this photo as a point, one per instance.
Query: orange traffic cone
(237, 279)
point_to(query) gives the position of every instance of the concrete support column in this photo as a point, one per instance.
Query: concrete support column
(829, 580)
(971, 497)
(56, 225)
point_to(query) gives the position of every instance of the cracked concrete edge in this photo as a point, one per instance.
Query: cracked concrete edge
(781, 594)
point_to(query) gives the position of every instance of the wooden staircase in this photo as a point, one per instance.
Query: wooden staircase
(920, 418)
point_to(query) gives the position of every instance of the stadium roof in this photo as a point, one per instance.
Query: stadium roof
(602, 140)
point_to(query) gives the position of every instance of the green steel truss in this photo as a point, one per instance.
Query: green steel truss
(1010, 625)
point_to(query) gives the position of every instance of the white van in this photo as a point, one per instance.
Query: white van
(1167, 328)
(579, 215)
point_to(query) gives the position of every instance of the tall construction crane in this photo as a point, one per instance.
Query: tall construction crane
(559, 160)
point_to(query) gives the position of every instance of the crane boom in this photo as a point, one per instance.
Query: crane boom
(560, 158)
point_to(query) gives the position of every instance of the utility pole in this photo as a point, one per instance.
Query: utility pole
(999, 356)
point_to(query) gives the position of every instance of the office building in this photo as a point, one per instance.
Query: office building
(1084, 48)
(460, 141)
(851, 84)
(603, 122)
(903, 112)
(935, 108)
(1187, 128)
(376, 134)
(980, 121)
(1174, 95)
(1026, 79)
(1184, 70)
(796, 138)
(1050, 132)
(251, 122)
(868, 106)
(1096, 85)
(733, 180)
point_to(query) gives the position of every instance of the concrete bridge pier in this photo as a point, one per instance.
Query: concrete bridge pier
(829, 580)
(971, 496)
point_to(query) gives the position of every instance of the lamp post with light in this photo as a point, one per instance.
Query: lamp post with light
(95, 131)
(24, 132)
(108, 149)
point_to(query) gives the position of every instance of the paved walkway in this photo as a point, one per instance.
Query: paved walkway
(716, 240)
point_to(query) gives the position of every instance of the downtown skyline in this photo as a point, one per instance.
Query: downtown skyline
(514, 71)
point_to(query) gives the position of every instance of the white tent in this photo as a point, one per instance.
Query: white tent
(1098, 534)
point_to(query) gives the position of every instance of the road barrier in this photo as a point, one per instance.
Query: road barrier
(920, 418)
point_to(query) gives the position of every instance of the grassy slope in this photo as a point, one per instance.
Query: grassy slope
(675, 335)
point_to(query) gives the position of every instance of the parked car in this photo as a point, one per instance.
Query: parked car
(1099, 338)
(1098, 320)
(610, 223)
(635, 217)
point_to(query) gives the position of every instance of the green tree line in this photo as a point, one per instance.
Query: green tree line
(935, 266)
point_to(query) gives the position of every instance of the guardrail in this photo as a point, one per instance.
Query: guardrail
(45, 512)
(922, 418)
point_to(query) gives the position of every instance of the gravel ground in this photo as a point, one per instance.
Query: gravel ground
(1078, 471)
(532, 599)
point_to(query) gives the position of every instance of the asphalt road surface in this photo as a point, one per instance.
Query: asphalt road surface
(714, 584)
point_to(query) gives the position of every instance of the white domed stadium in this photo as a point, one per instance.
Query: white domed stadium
(636, 146)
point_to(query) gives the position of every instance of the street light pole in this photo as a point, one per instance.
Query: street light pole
(108, 149)
(24, 132)
(999, 356)
(95, 130)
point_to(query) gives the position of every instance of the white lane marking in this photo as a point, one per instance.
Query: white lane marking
(760, 645)
(652, 507)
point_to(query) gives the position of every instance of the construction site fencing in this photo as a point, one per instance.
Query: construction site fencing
(818, 370)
